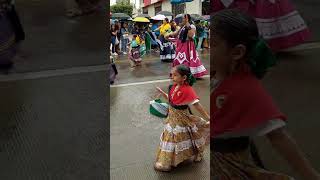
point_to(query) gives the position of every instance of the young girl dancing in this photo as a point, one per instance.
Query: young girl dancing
(185, 136)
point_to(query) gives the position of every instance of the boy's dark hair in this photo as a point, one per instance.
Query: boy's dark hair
(183, 70)
(167, 20)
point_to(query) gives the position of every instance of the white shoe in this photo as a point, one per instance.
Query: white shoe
(115, 54)
(124, 53)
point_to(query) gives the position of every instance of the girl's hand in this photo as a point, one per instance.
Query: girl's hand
(165, 95)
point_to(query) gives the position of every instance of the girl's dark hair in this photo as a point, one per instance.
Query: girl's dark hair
(117, 27)
(236, 27)
(167, 20)
(183, 70)
(188, 17)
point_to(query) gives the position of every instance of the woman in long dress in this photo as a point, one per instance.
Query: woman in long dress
(278, 21)
(186, 51)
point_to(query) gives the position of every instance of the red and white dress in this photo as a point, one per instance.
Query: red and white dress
(278, 21)
(187, 54)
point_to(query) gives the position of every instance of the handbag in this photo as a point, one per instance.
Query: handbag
(16, 23)
(117, 41)
(159, 108)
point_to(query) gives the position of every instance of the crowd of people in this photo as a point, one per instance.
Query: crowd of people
(178, 41)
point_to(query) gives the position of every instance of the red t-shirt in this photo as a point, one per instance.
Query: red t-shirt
(239, 103)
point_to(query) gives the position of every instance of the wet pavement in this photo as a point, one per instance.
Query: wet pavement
(54, 41)
(54, 128)
(152, 68)
(135, 134)
(53, 115)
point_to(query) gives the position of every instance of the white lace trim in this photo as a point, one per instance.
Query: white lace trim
(181, 146)
(168, 56)
(193, 102)
(281, 26)
(258, 131)
(179, 129)
(196, 70)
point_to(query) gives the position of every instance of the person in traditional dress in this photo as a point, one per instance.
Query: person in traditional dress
(240, 107)
(135, 53)
(167, 48)
(186, 51)
(278, 21)
(9, 34)
(184, 136)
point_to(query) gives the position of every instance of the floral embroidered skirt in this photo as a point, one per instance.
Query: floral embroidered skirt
(184, 137)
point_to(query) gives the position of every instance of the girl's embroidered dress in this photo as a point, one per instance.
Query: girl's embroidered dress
(135, 54)
(184, 136)
(186, 54)
(278, 21)
(241, 109)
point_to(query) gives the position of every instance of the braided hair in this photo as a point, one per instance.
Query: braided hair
(236, 27)
(183, 70)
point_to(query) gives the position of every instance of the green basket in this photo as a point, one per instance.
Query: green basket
(159, 108)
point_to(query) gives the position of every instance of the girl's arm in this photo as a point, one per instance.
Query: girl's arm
(287, 147)
(165, 95)
(203, 112)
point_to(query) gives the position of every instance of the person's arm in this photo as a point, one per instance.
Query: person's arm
(191, 32)
(201, 110)
(287, 147)
(157, 28)
(165, 95)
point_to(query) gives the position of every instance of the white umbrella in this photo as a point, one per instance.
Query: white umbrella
(159, 17)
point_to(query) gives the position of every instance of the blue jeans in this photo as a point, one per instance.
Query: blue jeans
(113, 42)
(200, 42)
(124, 43)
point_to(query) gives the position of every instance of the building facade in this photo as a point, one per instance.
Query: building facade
(152, 7)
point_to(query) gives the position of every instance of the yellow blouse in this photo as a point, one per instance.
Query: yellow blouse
(164, 28)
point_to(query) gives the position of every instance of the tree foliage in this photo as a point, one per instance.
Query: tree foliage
(123, 6)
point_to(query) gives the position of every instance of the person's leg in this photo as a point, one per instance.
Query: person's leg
(121, 44)
(126, 41)
(200, 43)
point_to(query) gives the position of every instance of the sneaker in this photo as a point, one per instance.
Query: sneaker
(124, 53)
(115, 54)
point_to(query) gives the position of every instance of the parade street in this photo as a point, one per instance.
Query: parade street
(135, 133)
